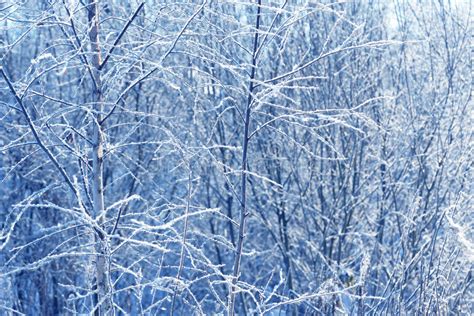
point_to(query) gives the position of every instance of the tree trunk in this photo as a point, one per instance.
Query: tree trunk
(243, 211)
(103, 291)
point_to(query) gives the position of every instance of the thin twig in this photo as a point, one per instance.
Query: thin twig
(119, 37)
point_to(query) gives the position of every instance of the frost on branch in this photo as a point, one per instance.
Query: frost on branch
(236, 157)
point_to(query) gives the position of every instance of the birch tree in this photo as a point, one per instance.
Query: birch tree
(235, 157)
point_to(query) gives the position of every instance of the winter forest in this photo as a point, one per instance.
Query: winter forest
(227, 157)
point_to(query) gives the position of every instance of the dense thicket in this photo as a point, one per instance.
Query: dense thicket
(260, 157)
